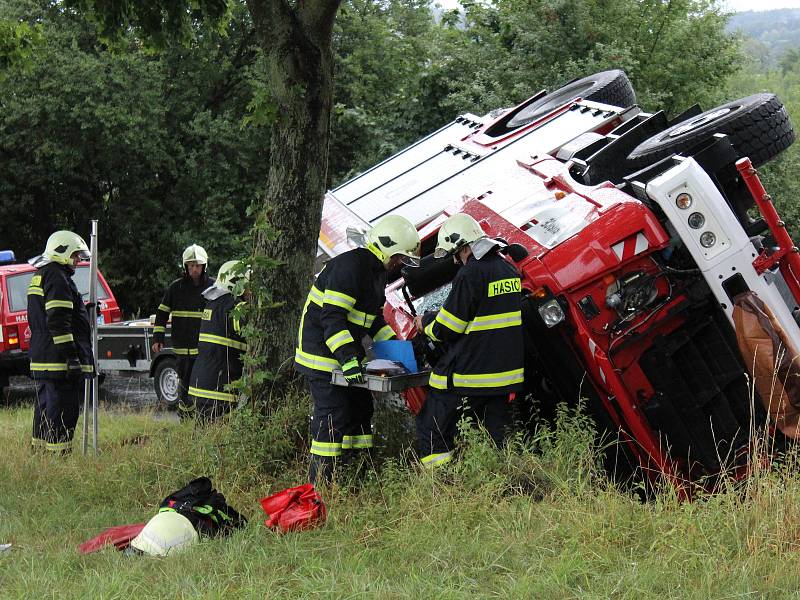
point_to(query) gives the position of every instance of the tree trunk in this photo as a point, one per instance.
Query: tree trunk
(297, 44)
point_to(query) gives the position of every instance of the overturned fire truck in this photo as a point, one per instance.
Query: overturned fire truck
(661, 285)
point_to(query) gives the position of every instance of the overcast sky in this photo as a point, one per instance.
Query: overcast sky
(736, 5)
(742, 5)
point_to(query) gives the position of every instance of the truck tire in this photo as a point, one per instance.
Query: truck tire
(166, 382)
(758, 127)
(609, 87)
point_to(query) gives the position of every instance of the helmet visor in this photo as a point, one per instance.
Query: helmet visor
(83, 255)
(442, 253)
(407, 260)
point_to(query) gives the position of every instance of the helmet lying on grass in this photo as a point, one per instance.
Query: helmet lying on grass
(164, 534)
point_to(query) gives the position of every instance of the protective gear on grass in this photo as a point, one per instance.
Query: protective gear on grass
(230, 274)
(197, 504)
(205, 508)
(460, 230)
(61, 245)
(352, 371)
(295, 509)
(391, 236)
(119, 536)
(166, 533)
(195, 253)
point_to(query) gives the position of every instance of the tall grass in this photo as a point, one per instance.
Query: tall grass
(535, 520)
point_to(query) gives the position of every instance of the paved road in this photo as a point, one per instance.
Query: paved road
(130, 393)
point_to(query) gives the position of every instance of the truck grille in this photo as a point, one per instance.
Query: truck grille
(702, 409)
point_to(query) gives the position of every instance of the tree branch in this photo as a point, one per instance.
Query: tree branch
(318, 16)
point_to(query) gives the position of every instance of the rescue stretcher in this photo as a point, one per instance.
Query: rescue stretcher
(385, 383)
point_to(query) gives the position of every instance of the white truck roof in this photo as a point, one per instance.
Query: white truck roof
(458, 161)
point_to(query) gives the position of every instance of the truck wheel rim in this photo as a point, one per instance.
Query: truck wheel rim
(168, 384)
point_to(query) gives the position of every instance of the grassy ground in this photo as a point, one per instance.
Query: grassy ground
(521, 524)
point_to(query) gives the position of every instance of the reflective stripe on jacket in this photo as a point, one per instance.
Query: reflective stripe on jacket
(480, 327)
(220, 349)
(185, 301)
(344, 304)
(59, 323)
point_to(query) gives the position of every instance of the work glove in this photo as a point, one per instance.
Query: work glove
(74, 371)
(352, 371)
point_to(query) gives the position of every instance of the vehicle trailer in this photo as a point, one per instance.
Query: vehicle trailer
(638, 251)
(126, 348)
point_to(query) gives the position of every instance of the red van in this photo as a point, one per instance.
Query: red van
(14, 332)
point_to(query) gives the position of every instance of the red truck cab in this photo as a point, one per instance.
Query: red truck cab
(15, 334)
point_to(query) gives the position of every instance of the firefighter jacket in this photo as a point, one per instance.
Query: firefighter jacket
(480, 327)
(344, 304)
(220, 348)
(59, 324)
(185, 301)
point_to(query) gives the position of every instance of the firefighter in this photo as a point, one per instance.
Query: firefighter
(184, 299)
(60, 347)
(480, 329)
(343, 306)
(221, 345)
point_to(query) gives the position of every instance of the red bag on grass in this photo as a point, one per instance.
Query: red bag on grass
(295, 509)
(120, 536)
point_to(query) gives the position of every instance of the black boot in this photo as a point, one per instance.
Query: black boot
(360, 463)
(320, 472)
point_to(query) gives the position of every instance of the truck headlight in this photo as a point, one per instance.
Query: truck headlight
(707, 239)
(696, 220)
(683, 201)
(551, 313)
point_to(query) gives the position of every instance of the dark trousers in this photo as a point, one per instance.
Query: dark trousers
(437, 422)
(208, 410)
(55, 414)
(184, 369)
(342, 420)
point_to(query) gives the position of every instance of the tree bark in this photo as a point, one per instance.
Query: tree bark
(296, 39)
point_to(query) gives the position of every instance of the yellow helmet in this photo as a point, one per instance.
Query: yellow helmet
(63, 244)
(166, 533)
(231, 273)
(195, 253)
(394, 235)
(457, 231)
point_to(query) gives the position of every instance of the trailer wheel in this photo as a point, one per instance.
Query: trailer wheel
(609, 87)
(166, 382)
(758, 127)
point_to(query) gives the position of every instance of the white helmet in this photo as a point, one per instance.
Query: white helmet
(230, 274)
(394, 235)
(167, 532)
(195, 253)
(62, 245)
(460, 230)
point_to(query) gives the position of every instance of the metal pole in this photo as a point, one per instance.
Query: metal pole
(85, 440)
(93, 315)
